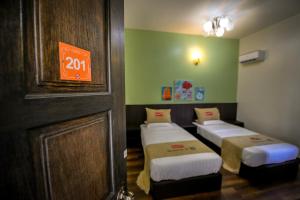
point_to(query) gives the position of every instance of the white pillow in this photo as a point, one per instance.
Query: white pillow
(152, 125)
(212, 122)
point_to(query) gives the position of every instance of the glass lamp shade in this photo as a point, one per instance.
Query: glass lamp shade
(220, 32)
(224, 22)
(230, 26)
(208, 26)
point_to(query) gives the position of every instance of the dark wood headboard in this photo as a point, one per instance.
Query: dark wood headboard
(182, 114)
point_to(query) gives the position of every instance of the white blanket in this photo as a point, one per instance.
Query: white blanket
(177, 167)
(252, 156)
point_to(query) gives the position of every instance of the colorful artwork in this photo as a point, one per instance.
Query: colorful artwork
(183, 90)
(199, 93)
(166, 93)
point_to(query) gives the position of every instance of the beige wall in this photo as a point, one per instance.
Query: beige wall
(269, 91)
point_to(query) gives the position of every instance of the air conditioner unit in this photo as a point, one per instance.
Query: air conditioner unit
(252, 57)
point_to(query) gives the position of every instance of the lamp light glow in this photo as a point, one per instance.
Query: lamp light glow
(196, 57)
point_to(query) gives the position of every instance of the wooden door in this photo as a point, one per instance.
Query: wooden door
(61, 139)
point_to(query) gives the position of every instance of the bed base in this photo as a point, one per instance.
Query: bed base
(262, 174)
(172, 188)
(265, 173)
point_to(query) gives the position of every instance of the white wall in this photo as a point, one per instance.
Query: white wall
(269, 91)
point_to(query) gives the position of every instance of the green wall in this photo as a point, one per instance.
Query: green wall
(155, 59)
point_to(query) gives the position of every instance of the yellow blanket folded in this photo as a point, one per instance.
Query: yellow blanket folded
(232, 149)
(160, 150)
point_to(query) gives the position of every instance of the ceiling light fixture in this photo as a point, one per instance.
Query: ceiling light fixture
(217, 26)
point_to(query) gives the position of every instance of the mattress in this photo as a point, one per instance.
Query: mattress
(252, 156)
(177, 167)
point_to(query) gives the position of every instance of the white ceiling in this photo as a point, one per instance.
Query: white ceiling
(187, 16)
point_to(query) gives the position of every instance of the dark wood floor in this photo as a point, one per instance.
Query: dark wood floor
(233, 187)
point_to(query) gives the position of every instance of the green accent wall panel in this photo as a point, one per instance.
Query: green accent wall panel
(155, 59)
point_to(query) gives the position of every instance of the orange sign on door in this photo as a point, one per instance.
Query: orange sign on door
(75, 63)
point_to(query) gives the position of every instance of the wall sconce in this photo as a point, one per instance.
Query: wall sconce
(196, 57)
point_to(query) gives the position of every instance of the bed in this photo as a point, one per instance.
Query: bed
(262, 161)
(182, 174)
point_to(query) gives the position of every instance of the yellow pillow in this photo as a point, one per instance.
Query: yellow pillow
(158, 115)
(205, 114)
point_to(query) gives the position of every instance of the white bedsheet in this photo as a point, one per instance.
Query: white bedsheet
(177, 167)
(252, 156)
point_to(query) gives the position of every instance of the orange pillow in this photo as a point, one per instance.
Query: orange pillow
(158, 115)
(205, 114)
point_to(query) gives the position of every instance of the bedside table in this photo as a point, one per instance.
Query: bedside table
(190, 128)
(133, 136)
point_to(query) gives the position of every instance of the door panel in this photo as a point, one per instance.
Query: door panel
(81, 24)
(74, 152)
(61, 139)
